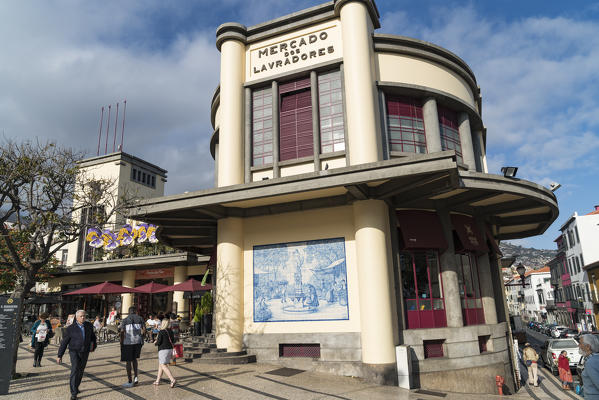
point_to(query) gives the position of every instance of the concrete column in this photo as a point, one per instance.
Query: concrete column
(315, 119)
(276, 170)
(228, 313)
(360, 91)
(478, 137)
(180, 276)
(466, 141)
(431, 125)
(371, 221)
(486, 289)
(127, 281)
(449, 274)
(231, 131)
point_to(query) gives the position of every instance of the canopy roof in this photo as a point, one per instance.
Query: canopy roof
(103, 288)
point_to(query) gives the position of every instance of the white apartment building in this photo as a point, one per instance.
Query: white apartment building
(580, 235)
(536, 294)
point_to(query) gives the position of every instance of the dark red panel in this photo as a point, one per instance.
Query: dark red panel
(421, 230)
(469, 235)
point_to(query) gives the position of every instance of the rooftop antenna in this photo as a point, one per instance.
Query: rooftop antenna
(100, 133)
(116, 122)
(123, 130)
(107, 130)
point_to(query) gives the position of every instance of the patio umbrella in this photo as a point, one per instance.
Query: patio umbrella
(190, 285)
(103, 288)
(150, 288)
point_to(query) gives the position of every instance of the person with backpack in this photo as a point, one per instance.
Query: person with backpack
(132, 330)
(530, 359)
(41, 333)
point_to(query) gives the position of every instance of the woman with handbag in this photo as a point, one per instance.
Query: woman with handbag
(41, 333)
(563, 366)
(164, 341)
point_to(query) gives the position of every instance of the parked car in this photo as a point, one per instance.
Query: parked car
(569, 333)
(547, 329)
(556, 332)
(551, 349)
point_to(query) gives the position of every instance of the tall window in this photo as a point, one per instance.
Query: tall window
(405, 125)
(422, 291)
(468, 281)
(450, 135)
(296, 138)
(262, 127)
(330, 105)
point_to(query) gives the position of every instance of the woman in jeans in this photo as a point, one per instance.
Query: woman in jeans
(165, 341)
(40, 337)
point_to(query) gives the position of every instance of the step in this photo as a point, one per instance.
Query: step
(245, 359)
(199, 345)
(222, 354)
(197, 351)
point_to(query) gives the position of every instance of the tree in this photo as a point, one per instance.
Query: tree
(45, 192)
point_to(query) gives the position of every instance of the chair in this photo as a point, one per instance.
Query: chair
(112, 332)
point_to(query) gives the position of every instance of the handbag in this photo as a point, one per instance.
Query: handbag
(177, 348)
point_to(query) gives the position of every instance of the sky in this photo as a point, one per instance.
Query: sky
(537, 63)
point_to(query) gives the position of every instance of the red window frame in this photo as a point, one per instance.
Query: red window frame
(450, 132)
(405, 125)
(472, 305)
(422, 308)
(295, 116)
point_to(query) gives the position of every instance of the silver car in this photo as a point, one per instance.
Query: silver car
(552, 348)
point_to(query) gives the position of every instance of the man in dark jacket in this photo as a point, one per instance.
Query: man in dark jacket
(81, 339)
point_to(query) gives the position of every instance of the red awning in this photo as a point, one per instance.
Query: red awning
(190, 285)
(421, 230)
(103, 288)
(469, 235)
(493, 243)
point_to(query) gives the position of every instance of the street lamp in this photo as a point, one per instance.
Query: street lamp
(521, 270)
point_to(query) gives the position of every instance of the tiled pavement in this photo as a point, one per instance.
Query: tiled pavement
(105, 374)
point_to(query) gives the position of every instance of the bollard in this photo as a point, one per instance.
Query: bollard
(499, 382)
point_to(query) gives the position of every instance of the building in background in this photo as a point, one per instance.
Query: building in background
(355, 220)
(130, 266)
(537, 293)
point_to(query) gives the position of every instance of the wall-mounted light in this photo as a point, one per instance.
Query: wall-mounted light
(553, 186)
(509, 172)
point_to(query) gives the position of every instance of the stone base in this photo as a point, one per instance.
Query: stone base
(381, 374)
(479, 379)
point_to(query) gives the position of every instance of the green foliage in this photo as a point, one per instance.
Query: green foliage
(197, 316)
(206, 304)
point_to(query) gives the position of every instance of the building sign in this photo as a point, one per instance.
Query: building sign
(154, 273)
(300, 281)
(9, 310)
(297, 50)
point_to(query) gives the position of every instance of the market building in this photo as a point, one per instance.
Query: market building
(354, 218)
(131, 266)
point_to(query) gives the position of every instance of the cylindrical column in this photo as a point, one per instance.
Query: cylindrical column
(180, 276)
(231, 131)
(478, 137)
(127, 281)
(449, 274)
(371, 220)
(466, 141)
(359, 83)
(431, 125)
(486, 288)
(229, 285)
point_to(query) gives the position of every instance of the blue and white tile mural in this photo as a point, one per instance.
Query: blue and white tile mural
(300, 281)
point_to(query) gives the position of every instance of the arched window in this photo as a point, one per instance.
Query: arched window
(422, 289)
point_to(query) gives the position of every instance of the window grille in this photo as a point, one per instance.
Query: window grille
(450, 135)
(311, 350)
(405, 125)
(433, 348)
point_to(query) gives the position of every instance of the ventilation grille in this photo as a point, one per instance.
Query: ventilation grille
(433, 348)
(311, 350)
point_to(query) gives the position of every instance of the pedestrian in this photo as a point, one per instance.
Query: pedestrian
(81, 339)
(111, 316)
(165, 341)
(41, 333)
(132, 331)
(589, 347)
(97, 323)
(563, 366)
(530, 359)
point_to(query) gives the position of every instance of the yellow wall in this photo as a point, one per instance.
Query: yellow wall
(293, 227)
(297, 169)
(258, 175)
(337, 162)
(54, 283)
(405, 69)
